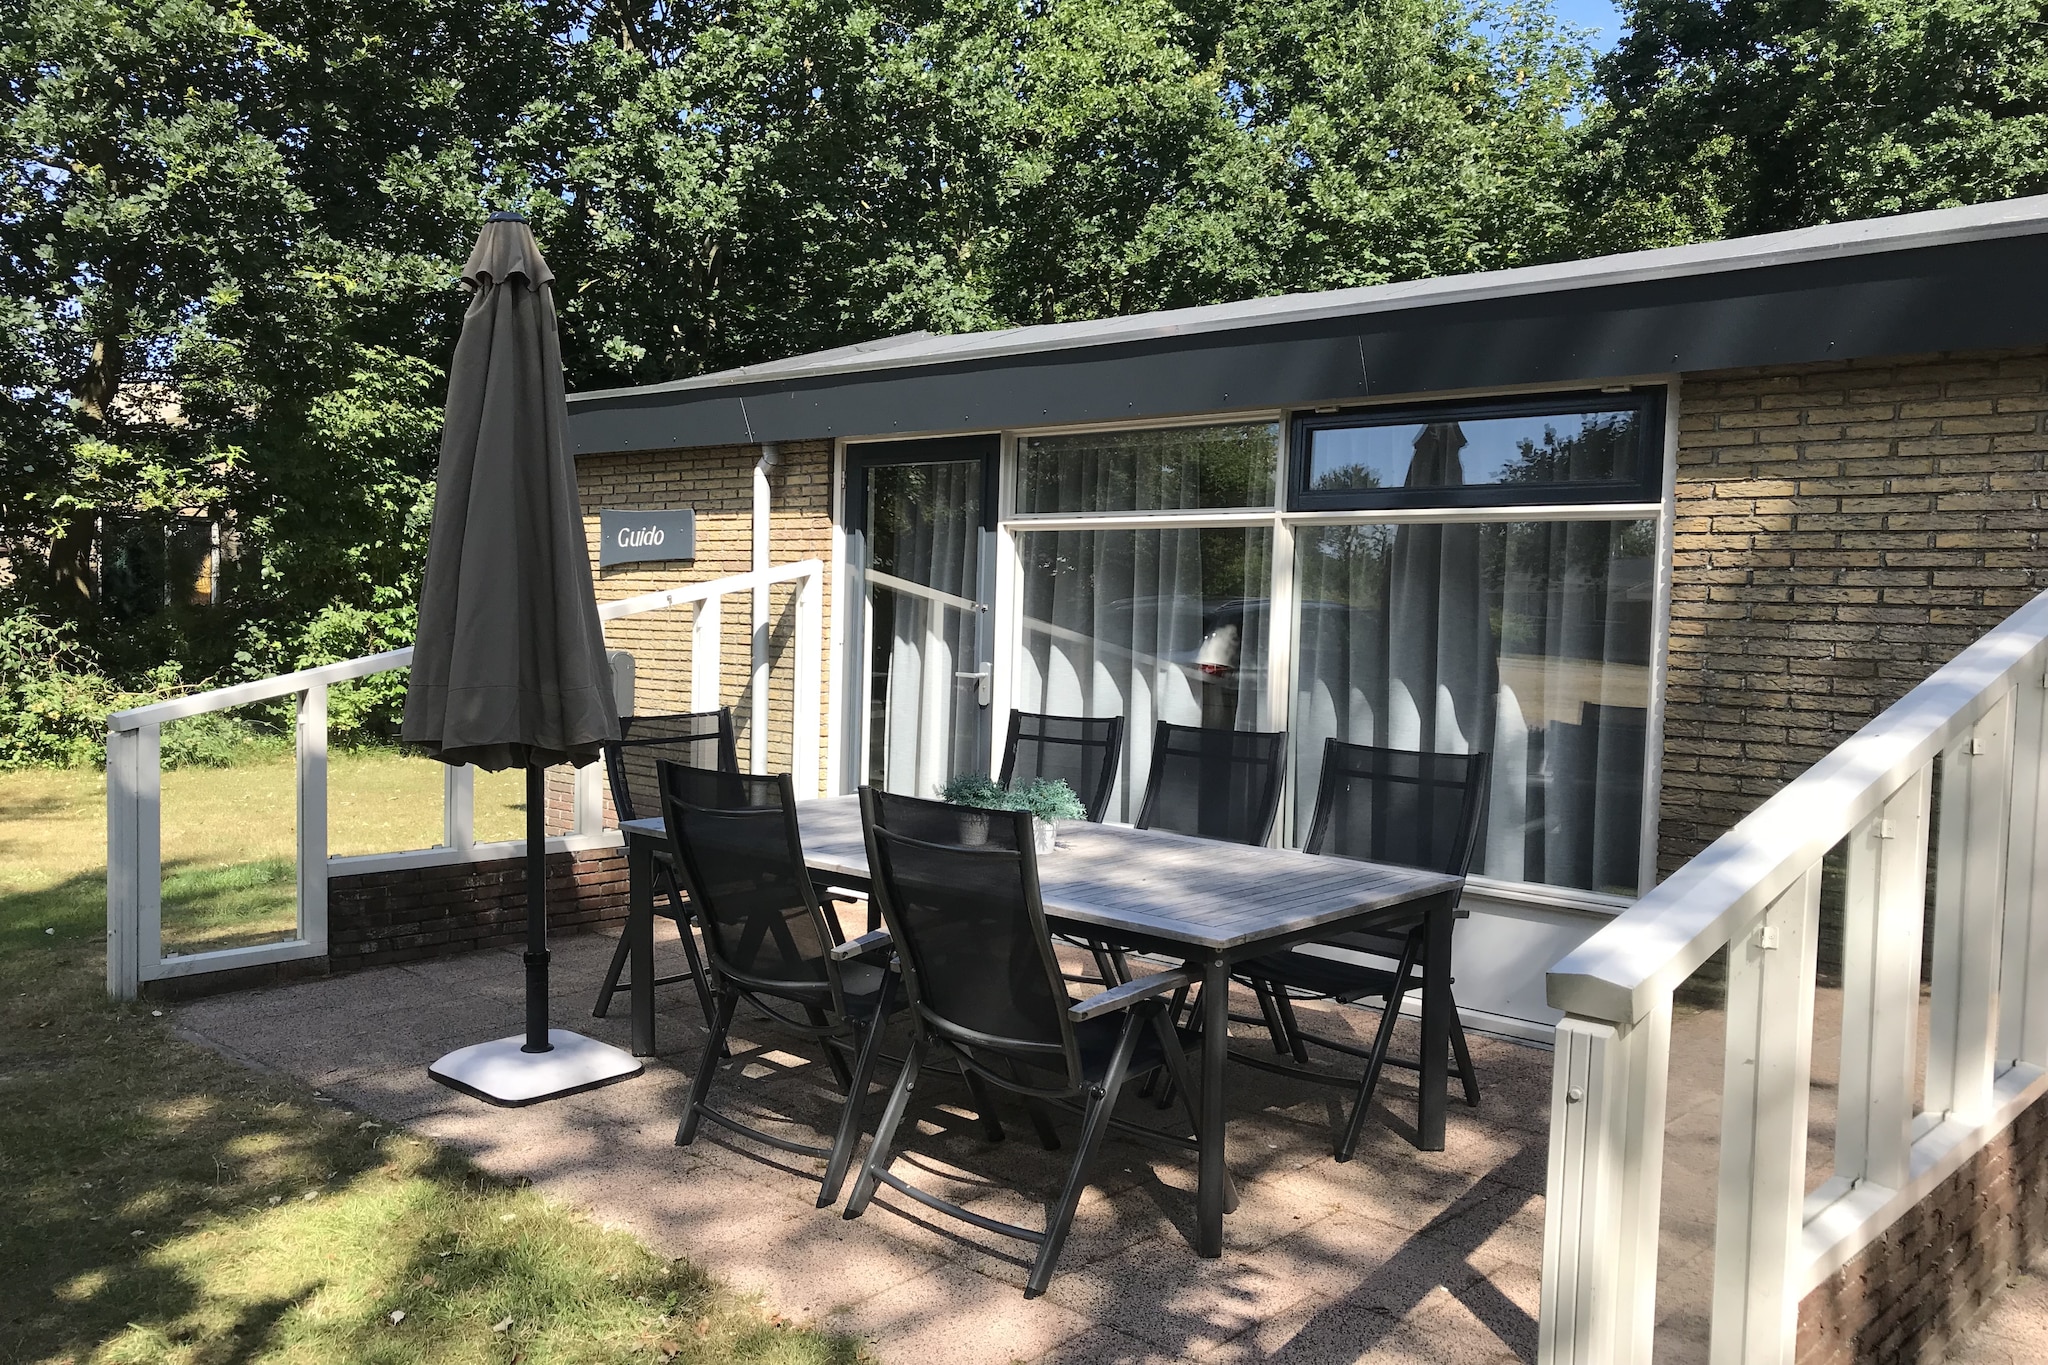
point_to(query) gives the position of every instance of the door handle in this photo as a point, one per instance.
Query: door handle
(983, 679)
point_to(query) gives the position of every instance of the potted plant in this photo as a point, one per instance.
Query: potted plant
(1048, 799)
(978, 794)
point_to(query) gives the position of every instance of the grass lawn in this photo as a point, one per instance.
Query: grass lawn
(163, 1204)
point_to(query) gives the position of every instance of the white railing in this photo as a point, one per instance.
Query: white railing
(1756, 892)
(134, 778)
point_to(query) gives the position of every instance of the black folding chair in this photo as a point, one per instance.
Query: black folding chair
(702, 739)
(1218, 784)
(962, 907)
(735, 844)
(1383, 806)
(1084, 752)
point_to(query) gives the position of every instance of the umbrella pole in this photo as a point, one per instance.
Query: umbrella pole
(536, 912)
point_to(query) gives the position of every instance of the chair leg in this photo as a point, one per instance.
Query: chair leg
(1105, 967)
(1275, 1025)
(611, 979)
(700, 1084)
(856, 1102)
(1183, 1081)
(1093, 1125)
(1382, 1040)
(840, 1075)
(984, 1107)
(1294, 1039)
(885, 1131)
(1461, 1053)
(1041, 1123)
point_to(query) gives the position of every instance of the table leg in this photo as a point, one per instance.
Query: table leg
(1209, 1199)
(640, 941)
(1436, 1025)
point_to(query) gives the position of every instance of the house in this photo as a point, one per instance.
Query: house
(1657, 530)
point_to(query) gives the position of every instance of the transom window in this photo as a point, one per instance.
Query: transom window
(1559, 448)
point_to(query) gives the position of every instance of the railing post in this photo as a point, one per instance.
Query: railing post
(312, 747)
(458, 807)
(125, 819)
(1605, 1190)
(805, 715)
(704, 660)
(1969, 905)
(2023, 976)
(1884, 898)
(1763, 1132)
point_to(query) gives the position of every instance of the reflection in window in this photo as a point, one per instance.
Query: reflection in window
(1529, 640)
(1151, 625)
(1589, 447)
(1168, 469)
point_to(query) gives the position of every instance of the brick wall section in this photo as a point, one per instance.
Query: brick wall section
(1841, 532)
(379, 918)
(1911, 1293)
(718, 482)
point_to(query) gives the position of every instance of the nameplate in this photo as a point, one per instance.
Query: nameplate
(634, 537)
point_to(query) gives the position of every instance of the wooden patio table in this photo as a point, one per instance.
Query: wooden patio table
(1210, 904)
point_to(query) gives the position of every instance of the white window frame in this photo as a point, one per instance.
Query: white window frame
(1282, 646)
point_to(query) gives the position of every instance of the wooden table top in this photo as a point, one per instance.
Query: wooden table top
(1210, 895)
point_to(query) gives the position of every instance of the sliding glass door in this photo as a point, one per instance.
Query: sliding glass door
(921, 517)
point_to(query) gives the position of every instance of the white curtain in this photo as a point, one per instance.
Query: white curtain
(1151, 625)
(1530, 641)
(924, 523)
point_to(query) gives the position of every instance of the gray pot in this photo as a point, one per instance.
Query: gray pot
(1043, 834)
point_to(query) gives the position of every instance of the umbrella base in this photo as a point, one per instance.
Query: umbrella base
(502, 1073)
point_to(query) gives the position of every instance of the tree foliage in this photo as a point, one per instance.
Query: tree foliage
(1730, 117)
(230, 229)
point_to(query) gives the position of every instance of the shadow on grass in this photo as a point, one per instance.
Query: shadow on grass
(167, 1205)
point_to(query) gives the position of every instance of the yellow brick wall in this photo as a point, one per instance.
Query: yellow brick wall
(1841, 532)
(718, 482)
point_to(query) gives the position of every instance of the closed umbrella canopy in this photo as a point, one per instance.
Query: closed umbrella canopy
(509, 670)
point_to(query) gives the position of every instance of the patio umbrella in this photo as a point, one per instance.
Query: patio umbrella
(509, 669)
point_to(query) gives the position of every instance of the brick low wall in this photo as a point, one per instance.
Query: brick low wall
(380, 918)
(1907, 1296)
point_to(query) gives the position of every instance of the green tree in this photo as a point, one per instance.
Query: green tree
(1723, 119)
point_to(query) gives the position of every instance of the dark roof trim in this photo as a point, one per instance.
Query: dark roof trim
(1968, 290)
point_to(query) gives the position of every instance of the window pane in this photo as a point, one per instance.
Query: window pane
(1528, 640)
(1149, 625)
(1149, 471)
(1583, 446)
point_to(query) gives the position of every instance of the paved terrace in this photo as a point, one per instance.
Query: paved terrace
(1397, 1256)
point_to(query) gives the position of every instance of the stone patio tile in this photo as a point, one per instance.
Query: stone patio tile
(955, 1316)
(1343, 1333)
(1107, 1346)
(1162, 1292)
(398, 1095)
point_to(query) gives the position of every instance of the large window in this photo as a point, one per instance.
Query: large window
(1149, 622)
(1465, 576)
(1528, 640)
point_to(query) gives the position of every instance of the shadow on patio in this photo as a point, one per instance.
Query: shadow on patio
(1398, 1255)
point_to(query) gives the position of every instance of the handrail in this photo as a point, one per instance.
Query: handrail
(134, 777)
(1650, 949)
(289, 684)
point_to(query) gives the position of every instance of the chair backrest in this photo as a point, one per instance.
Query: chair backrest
(734, 840)
(1399, 806)
(702, 739)
(1219, 784)
(1082, 751)
(958, 889)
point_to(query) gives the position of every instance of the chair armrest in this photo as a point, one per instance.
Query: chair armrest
(872, 941)
(1131, 992)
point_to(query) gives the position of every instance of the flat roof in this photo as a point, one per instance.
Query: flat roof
(1949, 279)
